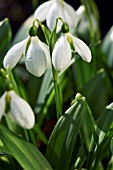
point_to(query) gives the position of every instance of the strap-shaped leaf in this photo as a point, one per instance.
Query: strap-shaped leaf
(63, 138)
(99, 138)
(25, 153)
(5, 37)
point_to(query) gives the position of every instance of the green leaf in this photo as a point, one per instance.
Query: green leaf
(26, 154)
(100, 135)
(96, 93)
(44, 90)
(63, 138)
(87, 128)
(83, 72)
(5, 37)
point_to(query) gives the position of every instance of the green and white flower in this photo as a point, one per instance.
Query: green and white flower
(53, 9)
(37, 58)
(20, 110)
(62, 53)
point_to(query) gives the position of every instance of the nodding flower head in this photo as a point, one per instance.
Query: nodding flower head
(19, 109)
(62, 52)
(37, 57)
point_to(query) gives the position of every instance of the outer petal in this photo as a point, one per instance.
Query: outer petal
(61, 56)
(21, 111)
(46, 51)
(36, 62)
(82, 49)
(2, 105)
(42, 11)
(54, 12)
(14, 54)
(70, 15)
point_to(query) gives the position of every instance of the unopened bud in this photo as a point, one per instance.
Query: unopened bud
(33, 31)
(65, 28)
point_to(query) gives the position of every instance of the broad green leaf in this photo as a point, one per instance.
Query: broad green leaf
(44, 90)
(86, 131)
(96, 93)
(87, 128)
(79, 159)
(99, 137)
(5, 37)
(83, 72)
(26, 154)
(63, 138)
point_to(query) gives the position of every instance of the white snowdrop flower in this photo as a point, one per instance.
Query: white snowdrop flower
(2, 105)
(61, 55)
(21, 111)
(14, 54)
(53, 9)
(37, 57)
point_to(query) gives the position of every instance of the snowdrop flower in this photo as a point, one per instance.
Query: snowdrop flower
(53, 9)
(37, 58)
(20, 110)
(62, 54)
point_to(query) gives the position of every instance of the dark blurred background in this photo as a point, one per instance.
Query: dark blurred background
(18, 10)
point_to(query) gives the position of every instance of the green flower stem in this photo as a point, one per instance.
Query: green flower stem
(31, 136)
(58, 94)
(25, 135)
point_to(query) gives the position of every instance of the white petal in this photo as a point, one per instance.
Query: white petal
(54, 12)
(14, 54)
(36, 62)
(80, 10)
(70, 15)
(2, 105)
(21, 111)
(82, 49)
(61, 56)
(47, 52)
(42, 11)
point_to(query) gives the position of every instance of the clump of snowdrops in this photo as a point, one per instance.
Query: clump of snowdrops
(56, 107)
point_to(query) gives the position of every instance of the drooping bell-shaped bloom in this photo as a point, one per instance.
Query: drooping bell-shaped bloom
(61, 55)
(14, 54)
(21, 111)
(37, 57)
(53, 9)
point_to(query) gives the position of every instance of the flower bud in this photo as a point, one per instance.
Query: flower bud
(33, 31)
(65, 28)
